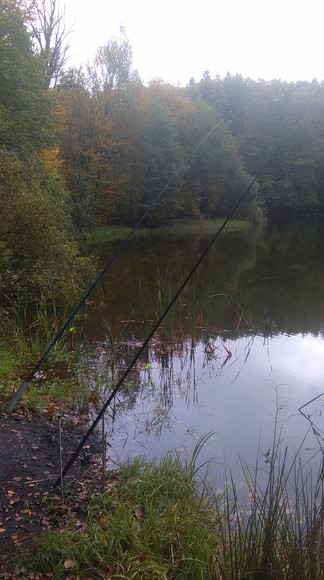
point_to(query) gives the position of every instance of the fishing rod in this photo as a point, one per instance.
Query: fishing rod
(124, 376)
(21, 389)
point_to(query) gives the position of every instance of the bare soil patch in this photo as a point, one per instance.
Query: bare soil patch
(29, 468)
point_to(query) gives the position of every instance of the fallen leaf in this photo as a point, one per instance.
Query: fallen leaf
(28, 511)
(2, 530)
(139, 513)
(13, 501)
(69, 564)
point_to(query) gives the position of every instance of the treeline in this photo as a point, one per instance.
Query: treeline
(121, 142)
(259, 113)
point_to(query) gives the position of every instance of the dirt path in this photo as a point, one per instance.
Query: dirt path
(29, 466)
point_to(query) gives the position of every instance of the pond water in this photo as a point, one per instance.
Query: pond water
(239, 354)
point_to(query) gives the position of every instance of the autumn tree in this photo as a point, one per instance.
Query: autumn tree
(114, 83)
(39, 259)
(114, 63)
(78, 138)
(46, 20)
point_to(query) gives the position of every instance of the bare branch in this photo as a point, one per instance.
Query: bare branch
(47, 26)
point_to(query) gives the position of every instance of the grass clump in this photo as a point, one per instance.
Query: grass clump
(161, 526)
(8, 360)
(154, 523)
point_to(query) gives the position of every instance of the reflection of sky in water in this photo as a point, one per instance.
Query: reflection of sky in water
(237, 402)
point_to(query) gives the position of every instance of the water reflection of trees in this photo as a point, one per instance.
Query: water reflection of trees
(166, 372)
(248, 288)
(270, 283)
(285, 286)
(147, 275)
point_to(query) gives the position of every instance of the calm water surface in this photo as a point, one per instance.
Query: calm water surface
(240, 352)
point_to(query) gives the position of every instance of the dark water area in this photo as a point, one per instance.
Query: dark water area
(239, 354)
(272, 280)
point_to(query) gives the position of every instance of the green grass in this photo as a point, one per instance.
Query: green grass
(8, 360)
(43, 399)
(160, 519)
(102, 234)
(56, 384)
(152, 524)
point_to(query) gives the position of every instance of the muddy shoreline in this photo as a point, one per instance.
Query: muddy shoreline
(29, 468)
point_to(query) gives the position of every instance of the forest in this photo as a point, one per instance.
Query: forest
(89, 146)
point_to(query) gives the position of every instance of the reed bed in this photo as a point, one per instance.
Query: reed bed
(102, 234)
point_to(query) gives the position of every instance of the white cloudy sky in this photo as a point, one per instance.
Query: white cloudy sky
(179, 39)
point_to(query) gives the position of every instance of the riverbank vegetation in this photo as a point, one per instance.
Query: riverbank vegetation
(160, 519)
(41, 268)
(104, 234)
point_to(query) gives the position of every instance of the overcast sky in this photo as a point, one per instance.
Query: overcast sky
(178, 39)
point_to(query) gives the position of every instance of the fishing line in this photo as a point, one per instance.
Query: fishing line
(315, 429)
(10, 407)
(177, 294)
